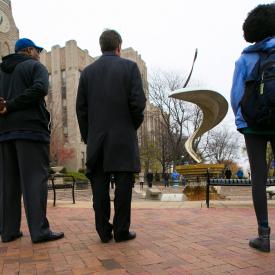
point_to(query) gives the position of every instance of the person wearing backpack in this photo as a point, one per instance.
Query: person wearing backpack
(252, 93)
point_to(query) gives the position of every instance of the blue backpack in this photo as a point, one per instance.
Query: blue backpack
(258, 101)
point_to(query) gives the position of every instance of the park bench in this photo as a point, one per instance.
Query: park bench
(64, 184)
(232, 182)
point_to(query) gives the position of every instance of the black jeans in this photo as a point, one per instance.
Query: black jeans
(256, 149)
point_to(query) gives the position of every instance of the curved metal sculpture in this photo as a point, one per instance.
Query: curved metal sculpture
(214, 108)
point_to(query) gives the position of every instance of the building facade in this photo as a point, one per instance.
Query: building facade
(65, 65)
(8, 30)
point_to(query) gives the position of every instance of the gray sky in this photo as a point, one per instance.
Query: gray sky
(165, 33)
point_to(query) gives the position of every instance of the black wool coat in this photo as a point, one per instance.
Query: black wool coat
(110, 104)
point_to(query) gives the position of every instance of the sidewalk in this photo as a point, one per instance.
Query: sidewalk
(172, 238)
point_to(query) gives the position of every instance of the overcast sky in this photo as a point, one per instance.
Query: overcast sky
(164, 32)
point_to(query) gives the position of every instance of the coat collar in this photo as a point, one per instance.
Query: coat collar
(110, 53)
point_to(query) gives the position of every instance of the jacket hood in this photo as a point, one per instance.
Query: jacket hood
(11, 61)
(263, 45)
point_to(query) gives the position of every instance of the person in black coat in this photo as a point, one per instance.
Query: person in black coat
(150, 178)
(166, 179)
(110, 104)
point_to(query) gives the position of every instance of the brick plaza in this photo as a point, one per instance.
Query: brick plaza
(172, 238)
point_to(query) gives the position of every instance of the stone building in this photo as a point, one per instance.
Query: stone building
(8, 30)
(64, 66)
(130, 53)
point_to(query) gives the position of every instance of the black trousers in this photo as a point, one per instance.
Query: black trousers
(1, 191)
(24, 170)
(100, 181)
(256, 149)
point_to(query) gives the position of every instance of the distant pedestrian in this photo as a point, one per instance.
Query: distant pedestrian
(166, 179)
(239, 174)
(183, 180)
(175, 178)
(149, 178)
(141, 179)
(228, 173)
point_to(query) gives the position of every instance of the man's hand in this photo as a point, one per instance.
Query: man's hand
(3, 108)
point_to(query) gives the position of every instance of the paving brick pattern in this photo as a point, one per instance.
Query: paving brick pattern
(169, 241)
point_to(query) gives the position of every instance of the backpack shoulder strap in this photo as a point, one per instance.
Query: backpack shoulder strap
(254, 74)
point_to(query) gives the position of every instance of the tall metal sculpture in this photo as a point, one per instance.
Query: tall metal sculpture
(214, 108)
(213, 105)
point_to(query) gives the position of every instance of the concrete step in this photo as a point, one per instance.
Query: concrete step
(239, 198)
(234, 191)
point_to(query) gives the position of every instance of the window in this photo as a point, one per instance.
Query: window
(63, 78)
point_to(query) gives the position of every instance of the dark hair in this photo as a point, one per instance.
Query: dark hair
(260, 23)
(109, 40)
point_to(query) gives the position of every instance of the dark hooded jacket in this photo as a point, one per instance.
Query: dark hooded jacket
(24, 84)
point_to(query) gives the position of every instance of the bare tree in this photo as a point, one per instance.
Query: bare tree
(148, 152)
(222, 146)
(163, 148)
(60, 152)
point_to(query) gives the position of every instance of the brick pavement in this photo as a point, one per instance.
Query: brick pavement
(169, 241)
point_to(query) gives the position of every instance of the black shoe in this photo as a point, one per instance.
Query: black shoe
(107, 239)
(11, 238)
(263, 242)
(52, 236)
(125, 237)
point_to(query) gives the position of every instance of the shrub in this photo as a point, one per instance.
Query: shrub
(78, 176)
(82, 170)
